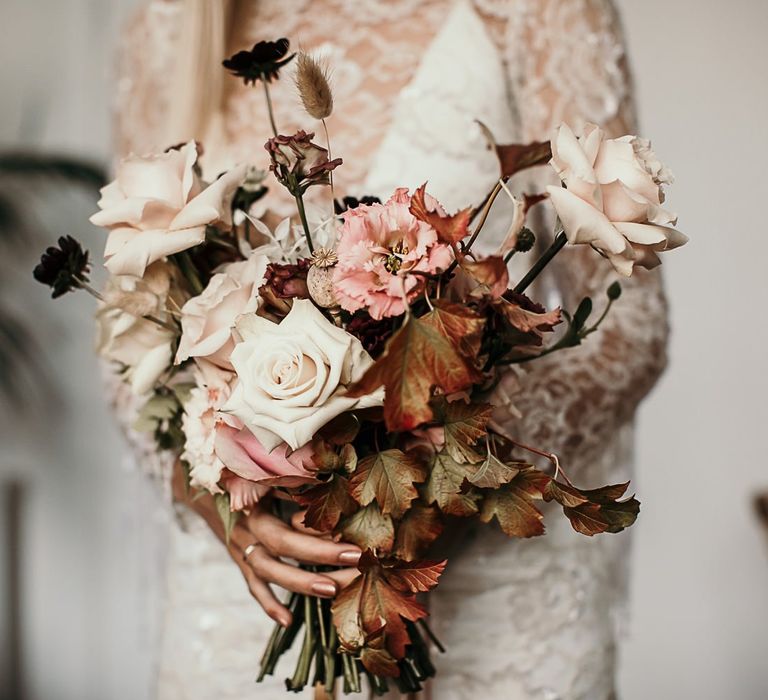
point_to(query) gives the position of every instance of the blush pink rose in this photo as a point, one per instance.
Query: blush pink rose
(612, 197)
(380, 247)
(242, 453)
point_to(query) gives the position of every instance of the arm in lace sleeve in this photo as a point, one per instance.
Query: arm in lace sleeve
(567, 63)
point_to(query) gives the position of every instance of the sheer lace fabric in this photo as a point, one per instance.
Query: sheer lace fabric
(521, 619)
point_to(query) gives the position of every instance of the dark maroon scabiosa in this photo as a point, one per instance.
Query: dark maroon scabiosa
(283, 283)
(371, 333)
(63, 268)
(298, 163)
(347, 203)
(262, 62)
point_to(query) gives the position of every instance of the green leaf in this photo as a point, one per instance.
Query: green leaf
(492, 473)
(581, 314)
(448, 485)
(228, 518)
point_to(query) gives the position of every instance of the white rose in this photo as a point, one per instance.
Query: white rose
(293, 376)
(124, 336)
(613, 197)
(207, 320)
(157, 205)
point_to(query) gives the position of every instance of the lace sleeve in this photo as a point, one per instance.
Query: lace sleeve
(567, 62)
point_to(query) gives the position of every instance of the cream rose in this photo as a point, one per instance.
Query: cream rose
(207, 320)
(157, 205)
(613, 197)
(124, 336)
(293, 375)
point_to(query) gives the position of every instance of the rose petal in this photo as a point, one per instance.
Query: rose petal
(583, 223)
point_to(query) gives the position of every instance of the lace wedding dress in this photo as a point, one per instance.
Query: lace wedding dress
(522, 620)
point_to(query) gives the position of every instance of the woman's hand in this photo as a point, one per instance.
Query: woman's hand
(268, 539)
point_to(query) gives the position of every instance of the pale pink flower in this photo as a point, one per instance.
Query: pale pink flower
(380, 248)
(242, 492)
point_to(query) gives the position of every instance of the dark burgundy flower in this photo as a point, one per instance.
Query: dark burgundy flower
(371, 333)
(262, 62)
(298, 163)
(342, 205)
(283, 282)
(62, 268)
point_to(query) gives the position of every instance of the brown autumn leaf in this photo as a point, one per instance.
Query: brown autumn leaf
(448, 486)
(387, 477)
(490, 274)
(514, 157)
(369, 528)
(493, 473)
(328, 458)
(594, 511)
(527, 321)
(369, 603)
(416, 577)
(464, 424)
(418, 529)
(420, 356)
(341, 430)
(450, 228)
(513, 504)
(462, 326)
(326, 503)
(377, 659)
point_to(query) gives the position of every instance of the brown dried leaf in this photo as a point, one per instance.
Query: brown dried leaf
(492, 473)
(416, 577)
(464, 425)
(422, 355)
(387, 477)
(448, 486)
(369, 528)
(418, 529)
(450, 229)
(490, 274)
(326, 503)
(513, 504)
(595, 511)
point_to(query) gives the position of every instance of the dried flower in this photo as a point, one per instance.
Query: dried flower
(262, 62)
(314, 89)
(323, 257)
(283, 283)
(298, 163)
(64, 268)
(371, 333)
(320, 278)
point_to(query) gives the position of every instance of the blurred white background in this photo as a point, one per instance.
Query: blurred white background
(700, 576)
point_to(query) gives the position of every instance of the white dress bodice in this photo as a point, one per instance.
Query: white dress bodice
(529, 619)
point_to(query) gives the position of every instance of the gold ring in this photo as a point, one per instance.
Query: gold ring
(249, 550)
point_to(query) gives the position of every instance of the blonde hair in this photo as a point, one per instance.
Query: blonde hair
(198, 75)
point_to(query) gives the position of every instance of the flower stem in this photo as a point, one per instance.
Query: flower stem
(87, 287)
(304, 223)
(330, 157)
(269, 107)
(557, 245)
(188, 270)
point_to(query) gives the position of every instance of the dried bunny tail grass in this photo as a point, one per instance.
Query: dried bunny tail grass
(314, 89)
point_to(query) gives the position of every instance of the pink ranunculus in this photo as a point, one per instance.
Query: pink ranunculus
(242, 492)
(242, 453)
(157, 205)
(380, 248)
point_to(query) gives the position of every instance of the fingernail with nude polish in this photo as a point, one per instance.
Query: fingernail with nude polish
(284, 620)
(351, 557)
(321, 588)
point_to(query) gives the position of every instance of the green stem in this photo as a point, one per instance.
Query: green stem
(301, 675)
(557, 245)
(304, 222)
(269, 107)
(188, 270)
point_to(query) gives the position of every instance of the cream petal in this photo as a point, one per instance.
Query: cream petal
(646, 234)
(583, 223)
(622, 264)
(146, 247)
(622, 204)
(617, 161)
(568, 157)
(591, 138)
(213, 203)
(149, 369)
(144, 213)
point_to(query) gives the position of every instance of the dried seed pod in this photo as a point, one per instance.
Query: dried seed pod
(320, 278)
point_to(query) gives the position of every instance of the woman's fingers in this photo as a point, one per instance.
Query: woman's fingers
(343, 577)
(297, 522)
(283, 541)
(266, 597)
(292, 578)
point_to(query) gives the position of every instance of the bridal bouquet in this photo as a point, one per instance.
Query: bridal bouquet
(346, 362)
